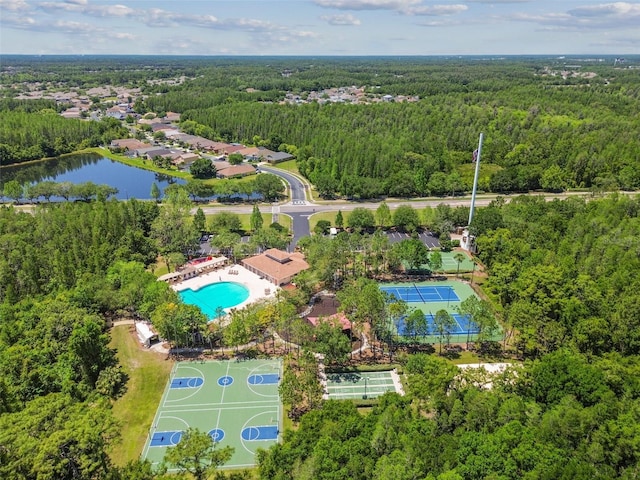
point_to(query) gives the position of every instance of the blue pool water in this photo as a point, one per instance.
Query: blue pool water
(214, 296)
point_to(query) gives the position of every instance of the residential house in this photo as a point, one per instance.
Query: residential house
(277, 157)
(128, 144)
(184, 160)
(236, 171)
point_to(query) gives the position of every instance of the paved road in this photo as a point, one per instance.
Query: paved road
(302, 208)
(296, 187)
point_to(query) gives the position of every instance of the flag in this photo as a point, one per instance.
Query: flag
(475, 156)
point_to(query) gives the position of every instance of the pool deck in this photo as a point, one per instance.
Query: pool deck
(257, 287)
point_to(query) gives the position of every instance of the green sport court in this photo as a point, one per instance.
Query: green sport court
(450, 264)
(236, 402)
(357, 385)
(429, 297)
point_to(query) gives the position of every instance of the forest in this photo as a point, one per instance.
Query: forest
(561, 276)
(547, 126)
(562, 280)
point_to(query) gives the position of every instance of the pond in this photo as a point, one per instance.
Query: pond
(130, 181)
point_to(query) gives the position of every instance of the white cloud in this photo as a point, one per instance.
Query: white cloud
(77, 2)
(340, 20)
(23, 23)
(591, 17)
(14, 5)
(618, 9)
(122, 35)
(73, 27)
(436, 10)
(493, 2)
(398, 5)
(405, 7)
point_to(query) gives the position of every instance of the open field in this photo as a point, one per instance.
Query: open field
(148, 374)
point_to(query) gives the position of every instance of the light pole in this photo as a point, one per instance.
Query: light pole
(364, 397)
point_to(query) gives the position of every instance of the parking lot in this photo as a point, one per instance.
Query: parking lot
(425, 237)
(207, 249)
(394, 237)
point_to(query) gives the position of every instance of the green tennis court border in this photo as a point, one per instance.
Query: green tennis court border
(450, 264)
(361, 385)
(230, 406)
(463, 291)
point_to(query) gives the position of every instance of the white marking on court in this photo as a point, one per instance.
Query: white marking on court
(195, 389)
(218, 421)
(242, 440)
(232, 407)
(250, 387)
(226, 375)
(256, 402)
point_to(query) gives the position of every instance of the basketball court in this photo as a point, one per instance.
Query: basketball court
(236, 402)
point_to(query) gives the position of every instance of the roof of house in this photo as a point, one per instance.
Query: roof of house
(249, 151)
(158, 152)
(236, 170)
(277, 264)
(278, 156)
(261, 152)
(332, 319)
(129, 143)
(232, 148)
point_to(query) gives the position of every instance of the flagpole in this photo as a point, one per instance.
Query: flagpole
(475, 180)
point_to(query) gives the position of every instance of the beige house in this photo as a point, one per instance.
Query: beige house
(277, 266)
(236, 171)
(129, 144)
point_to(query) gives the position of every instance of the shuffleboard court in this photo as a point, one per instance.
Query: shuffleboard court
(357, 385)
(237, 403)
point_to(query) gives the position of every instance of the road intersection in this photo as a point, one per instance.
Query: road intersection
(300, 206)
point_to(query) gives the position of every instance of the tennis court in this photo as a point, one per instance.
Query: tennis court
(422, 294)
(236, 402)
(365, 385)
(462, 326)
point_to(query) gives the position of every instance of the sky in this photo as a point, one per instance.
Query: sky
(319, 27)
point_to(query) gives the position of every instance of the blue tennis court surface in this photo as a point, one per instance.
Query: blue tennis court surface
(264, 379)
(461, 325)
(422, 294)
(187, 382)
(267, 432)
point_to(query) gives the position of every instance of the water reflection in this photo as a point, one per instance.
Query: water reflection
(47, 169)
(130, 181)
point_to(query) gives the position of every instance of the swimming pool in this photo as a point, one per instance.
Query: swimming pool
(214, 296)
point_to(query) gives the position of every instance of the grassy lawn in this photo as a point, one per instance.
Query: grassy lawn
(329, 216)
(245, 219)
(289, 166)
(148, 374)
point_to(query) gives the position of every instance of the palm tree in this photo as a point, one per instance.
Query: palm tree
(475, 264)
(459, 258)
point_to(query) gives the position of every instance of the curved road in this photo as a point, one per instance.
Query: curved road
(300, 208)
(299, 202)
